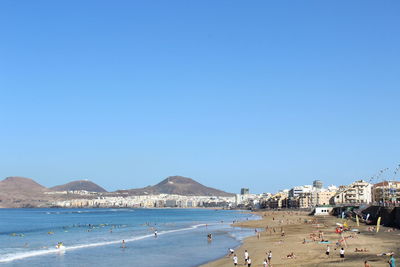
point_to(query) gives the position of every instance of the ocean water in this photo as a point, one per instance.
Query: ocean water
(93, 237)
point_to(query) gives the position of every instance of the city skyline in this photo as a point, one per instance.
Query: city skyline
(265, 96)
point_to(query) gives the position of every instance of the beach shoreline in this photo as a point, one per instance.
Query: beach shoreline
(289, 232)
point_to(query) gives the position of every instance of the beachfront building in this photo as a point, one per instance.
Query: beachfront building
(356, 193)
(277, 201)
(298, 190)
(308, 196)
(315, 198)
(293, 202)
(248, 200)
(324, 197)
(387, 192)
(240, 199)
(305, 200)
(146, 201)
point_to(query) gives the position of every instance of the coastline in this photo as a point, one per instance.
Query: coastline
(297, 226)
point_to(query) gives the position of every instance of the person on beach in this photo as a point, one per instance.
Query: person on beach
(342, 253)
(231, 251)
(366, 264)
(246, 256)
(328, 250)
(248, 262)
(265, 263)
(291, 256)
(123, 244)
(235, 260)
(392, 261)
(269, 257)
(155, 233)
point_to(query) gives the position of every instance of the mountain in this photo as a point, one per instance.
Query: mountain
(21, 192)
(179, 185)
(79, 185)
(21, 184)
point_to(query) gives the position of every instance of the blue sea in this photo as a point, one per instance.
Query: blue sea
(93, 237)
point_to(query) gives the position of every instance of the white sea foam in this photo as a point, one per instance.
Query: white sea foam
(28, 254)
(88, 211)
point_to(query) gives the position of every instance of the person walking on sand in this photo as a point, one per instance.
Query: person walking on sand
(328, 250)
(342, 253)
(265, 263)
(235, 260)
(249, 262)
(246, 256)
(269, 256)
(366, 264)
(231, 251)
(392, 261)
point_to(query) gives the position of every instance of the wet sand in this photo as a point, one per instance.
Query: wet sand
(298, 226)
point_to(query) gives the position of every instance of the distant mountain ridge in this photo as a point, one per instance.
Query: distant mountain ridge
(79, 185)
(179, 185)
(21, 192)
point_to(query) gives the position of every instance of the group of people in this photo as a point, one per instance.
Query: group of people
(247, 259)
(328, 251)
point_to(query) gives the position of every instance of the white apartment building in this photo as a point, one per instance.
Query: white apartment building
(357, 192)
(298, 190)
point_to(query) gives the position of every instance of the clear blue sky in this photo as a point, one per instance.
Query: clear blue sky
(259, 94)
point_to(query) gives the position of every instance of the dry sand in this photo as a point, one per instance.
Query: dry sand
(311, 253)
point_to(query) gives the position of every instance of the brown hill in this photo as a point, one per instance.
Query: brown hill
(79, 185)
(21, 192)
(21, 184)
(179, 185)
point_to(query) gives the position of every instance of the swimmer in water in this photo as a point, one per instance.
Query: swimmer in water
(209, 237)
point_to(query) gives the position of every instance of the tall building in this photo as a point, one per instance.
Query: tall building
(317, 184)
(244, 191)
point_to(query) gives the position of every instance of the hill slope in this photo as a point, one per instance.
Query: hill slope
(180, 186)
(21, 192)
(79, 185)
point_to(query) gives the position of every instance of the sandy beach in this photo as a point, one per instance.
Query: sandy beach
(299, 227)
